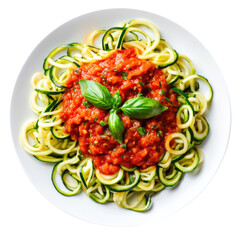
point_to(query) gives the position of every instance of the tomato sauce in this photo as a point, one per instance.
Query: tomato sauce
(122, 71)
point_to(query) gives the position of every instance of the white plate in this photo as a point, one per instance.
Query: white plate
(169, 200)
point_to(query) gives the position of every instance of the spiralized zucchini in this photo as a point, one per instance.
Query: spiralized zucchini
(132, 189)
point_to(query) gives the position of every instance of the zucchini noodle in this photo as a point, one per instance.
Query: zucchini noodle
(45, 139)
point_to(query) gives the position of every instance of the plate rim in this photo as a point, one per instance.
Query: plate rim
(95, 12)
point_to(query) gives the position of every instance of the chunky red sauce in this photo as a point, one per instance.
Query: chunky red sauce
(122, 71)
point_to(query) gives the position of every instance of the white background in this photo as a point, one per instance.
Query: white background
(26, 214)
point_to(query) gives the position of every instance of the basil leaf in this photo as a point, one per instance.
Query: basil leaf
(142, 108)
(115, 125)
(96, 94)
(116, 99)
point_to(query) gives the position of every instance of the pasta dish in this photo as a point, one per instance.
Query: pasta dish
(120, 120)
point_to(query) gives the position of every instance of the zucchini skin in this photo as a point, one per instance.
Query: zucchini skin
(125, 188)
(169, 182)
(48, 159)
(55, 134)
(64, 193)
(103, 199)
(183, 155)
(54, 80)
(190, 168)
(118, 178)
(170, 62)
(48, 92)
(180, 92)
(199, 140)
(146, 202)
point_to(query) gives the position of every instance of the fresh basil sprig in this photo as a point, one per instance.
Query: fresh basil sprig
(97, 94)
(115, 125)
(142, 108)
(137, 108)
(116, 100)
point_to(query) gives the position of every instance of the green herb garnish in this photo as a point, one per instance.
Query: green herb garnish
(160, 84)
(96, 94)
(168, 100)
(137, 108)
(159, 133)
(86, 104)
(115, 125)
(142, 108)
(103, 124)
(162, 92)
(153, 126)
(116, 99)
(141, 130)
(104, 79)
(124, 75)
(124, 146)
(148, 90)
